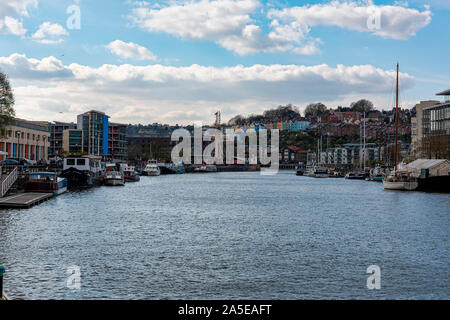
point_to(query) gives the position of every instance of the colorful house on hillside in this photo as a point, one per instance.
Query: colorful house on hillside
(285, 126)
(300, 125)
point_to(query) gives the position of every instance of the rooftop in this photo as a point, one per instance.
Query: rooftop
(29, 125)
(444, 93)
(426, 163)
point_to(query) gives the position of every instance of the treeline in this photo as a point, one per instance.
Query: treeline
(292, 113)
(282, 113)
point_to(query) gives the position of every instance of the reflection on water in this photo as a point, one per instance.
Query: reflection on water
(229, 236)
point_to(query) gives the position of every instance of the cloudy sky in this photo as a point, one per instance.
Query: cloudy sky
(179, 61)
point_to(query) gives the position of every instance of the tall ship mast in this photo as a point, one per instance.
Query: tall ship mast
(398, 180)
(396, 124)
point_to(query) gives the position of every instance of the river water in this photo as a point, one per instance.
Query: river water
(237, 235)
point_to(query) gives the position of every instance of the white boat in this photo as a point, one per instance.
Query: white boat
(114, 178)
(152, 168)
(317, 172)
(400, 180)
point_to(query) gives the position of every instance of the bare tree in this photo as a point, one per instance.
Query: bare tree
(315, 109)
(362, 105)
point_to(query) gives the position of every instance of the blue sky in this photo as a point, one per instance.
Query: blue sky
(179, 61)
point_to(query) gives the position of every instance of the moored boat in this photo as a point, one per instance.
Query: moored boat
(355, 176)
(130, 174)
(206, 168)
(46, 182)
(82, 172)
(316, 172)
(114, 178)
(400, 180)
(376, 174)
(151, 169)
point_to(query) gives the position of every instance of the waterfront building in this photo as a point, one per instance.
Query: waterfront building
(56, 137)
(27, 139)
(435, 142)
(417, 125)
(95, 132)
(429, 167)
(293, 154)
(117, 141)
(73, 142)
(349, 154)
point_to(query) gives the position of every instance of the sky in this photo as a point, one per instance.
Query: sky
(178, 61)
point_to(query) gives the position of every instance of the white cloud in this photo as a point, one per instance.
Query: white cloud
(9, 10)
(198, 20)
(130, 50)
(9, 25)
(50, 33)
(229, 23)
(180, 94)
(396, 22)
(16, 7)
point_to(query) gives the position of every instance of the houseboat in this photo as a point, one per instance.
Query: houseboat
(46, 182)
(82, 172)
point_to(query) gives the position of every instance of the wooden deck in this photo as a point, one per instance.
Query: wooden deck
(24, 200)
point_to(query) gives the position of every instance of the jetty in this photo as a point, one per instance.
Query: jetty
(24, 200)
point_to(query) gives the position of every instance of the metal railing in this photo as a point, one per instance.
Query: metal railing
(8, 182)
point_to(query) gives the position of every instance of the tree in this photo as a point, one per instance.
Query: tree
(282, 113)
(7, 112)
(237, 120)
(362, 105)
(315, 109)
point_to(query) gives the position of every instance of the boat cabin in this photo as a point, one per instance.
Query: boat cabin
(82, 164)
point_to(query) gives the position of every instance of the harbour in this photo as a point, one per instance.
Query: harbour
(229, 235)
(256, 153)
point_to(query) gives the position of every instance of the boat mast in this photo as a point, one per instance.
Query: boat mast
(396, 125)
(364, 140)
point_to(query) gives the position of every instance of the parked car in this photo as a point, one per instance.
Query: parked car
(21, 161)
(10, 162)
